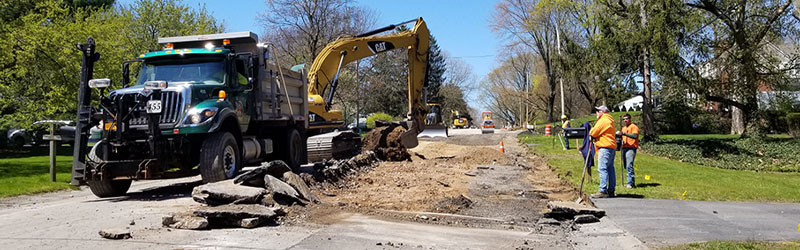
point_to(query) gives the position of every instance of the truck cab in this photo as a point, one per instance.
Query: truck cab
(207, 103)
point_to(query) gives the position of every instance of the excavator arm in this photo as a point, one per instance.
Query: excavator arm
(325, 71)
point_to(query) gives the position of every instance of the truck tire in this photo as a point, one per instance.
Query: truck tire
(106, 187)
(220, 158)
(292, 151)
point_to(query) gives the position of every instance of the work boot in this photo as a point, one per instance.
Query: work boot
(600, 195)
(629, 186)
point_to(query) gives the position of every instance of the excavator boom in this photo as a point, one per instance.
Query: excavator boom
(324, 73)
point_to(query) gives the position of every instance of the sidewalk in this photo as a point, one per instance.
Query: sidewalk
(670, 222)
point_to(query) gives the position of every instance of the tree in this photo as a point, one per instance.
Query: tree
(40, 65)
(733, 45)
(504, 88)
(299, 30)
(435, 72)
(533, 24)
(460, 82)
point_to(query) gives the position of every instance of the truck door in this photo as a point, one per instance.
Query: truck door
(241, 88)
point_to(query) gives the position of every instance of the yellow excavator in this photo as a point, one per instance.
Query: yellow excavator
(326, 142)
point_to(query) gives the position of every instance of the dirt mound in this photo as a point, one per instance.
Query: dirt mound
(385, 141)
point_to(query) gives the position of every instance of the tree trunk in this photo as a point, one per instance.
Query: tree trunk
(647, 106)
(737, 120)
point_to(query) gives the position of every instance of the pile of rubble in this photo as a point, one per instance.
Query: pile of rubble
(250, 200)
(333, 171)
(257, 197)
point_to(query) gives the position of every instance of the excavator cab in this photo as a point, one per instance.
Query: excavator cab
(434, 124)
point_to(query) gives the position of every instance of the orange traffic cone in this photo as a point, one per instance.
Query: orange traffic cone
(502, 147)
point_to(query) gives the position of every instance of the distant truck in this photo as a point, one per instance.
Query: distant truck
(211, 101)
(487, 123)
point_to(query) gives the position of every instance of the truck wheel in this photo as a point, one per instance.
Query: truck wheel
(220, 157)
(292, 152)
(106, 187)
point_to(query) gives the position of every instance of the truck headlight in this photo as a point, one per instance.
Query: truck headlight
(153, 85)
(99, 83)
(199, 116)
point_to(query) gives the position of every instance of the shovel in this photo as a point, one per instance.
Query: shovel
(583, 177)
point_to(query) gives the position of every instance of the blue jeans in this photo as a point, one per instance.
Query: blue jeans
(628, 154)
(566, 142)
(605, 166)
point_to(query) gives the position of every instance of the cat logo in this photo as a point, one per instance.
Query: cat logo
(379, 46)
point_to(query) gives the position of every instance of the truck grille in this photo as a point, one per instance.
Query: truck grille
(171, 110)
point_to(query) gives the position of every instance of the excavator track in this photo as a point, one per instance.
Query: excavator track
(333, 145)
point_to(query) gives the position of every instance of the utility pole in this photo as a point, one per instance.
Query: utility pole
(561, 75)
(358, 111)
(527, 83)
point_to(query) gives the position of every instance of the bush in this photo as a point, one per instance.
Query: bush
(758, 154)
(793, 123)
(377, 116)
(710, 122)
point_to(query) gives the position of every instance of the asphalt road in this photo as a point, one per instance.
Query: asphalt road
(72, 219)
(670, 222)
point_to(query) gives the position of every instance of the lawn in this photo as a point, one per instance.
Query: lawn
(736, 245)
(672, 179)
(28, 171)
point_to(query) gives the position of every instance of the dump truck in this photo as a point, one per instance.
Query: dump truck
(207, 103)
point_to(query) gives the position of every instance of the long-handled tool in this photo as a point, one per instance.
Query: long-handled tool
(583, 177)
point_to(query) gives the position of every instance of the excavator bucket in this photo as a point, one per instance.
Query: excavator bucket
(409, 138)
(435, 130)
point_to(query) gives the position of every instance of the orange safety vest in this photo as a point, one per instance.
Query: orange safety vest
(628, 142)
(603, 133)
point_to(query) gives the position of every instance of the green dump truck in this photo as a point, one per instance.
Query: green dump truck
(206, 103)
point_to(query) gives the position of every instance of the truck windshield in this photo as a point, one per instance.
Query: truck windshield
(205, 70)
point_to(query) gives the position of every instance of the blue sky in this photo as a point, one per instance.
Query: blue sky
(460, 27)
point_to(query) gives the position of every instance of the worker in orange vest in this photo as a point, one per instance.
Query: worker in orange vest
(603, 134)
(630, 142)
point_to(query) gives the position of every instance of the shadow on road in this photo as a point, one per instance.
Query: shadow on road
(636, 196)
(174, 191)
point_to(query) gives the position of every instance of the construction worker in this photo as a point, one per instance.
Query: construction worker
(565, 124)
(630, 142)
(603, 134)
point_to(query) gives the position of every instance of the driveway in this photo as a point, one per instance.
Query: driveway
(671, 222)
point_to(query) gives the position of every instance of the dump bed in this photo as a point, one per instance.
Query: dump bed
(274, 88)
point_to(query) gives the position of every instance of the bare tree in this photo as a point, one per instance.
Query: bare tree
(300, 29)
(525, 24)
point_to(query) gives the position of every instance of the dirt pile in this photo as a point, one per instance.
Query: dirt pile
(433, 180)
(250, 200)
(386, 143)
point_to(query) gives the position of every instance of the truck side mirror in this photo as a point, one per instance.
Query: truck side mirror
(252, 67)
(126, 78)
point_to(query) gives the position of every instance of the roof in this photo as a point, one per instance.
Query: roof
(182, 52)
(208, 37)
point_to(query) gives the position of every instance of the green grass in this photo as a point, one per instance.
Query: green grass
(28, 171)
(736, 245)
(672, 179)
